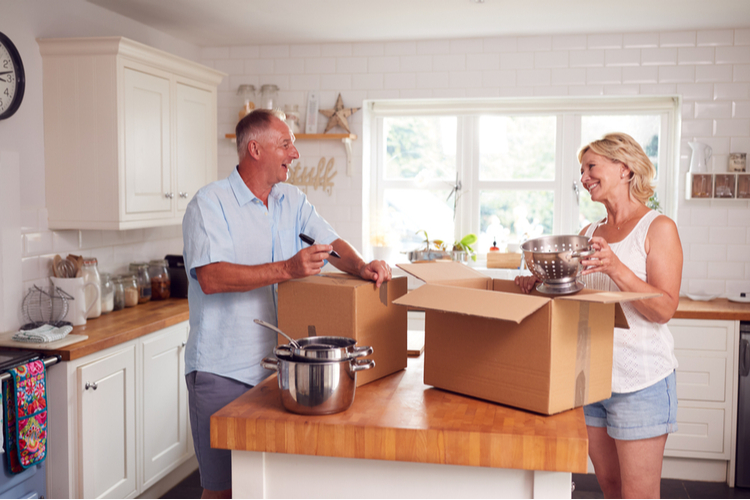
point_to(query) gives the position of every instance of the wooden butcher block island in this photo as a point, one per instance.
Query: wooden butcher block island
(395, 423)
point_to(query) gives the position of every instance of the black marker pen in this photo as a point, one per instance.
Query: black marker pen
(311, 241)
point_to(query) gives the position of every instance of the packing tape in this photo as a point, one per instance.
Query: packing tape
(583, 355)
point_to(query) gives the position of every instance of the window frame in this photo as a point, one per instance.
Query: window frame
(568, 111)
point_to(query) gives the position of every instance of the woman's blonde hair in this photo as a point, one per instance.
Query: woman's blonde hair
(624, 149)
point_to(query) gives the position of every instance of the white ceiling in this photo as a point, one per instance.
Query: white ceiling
(247, 22)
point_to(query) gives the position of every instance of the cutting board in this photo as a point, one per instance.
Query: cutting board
(414, 343)
(6, 340)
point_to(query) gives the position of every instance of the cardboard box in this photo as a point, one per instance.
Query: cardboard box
(342, 305)
(487, 339)
(501, 260)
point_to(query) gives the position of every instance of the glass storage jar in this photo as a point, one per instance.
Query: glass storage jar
(90, 274)
(118, 296)
(268, 94)
(108, 293)
(160, 280)
(140, 270)
(131, 291)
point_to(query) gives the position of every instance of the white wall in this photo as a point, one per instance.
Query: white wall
(710, 69)
(24, 227)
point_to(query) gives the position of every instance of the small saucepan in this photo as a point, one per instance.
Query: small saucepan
(323, 348)
(319, 388)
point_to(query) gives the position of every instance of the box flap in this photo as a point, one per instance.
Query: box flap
(608, 297)
(441, 272)
(482, 303)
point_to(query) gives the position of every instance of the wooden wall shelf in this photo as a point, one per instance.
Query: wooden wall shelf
(352, 137)
(346, 139)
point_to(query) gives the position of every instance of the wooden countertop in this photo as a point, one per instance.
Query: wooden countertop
(399, 418)
(714, 309)
(121, 326)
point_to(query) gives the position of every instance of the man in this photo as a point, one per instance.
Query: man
(241, 238)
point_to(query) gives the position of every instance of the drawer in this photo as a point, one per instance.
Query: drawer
(700, 429)
(701, 335)
(699, 378)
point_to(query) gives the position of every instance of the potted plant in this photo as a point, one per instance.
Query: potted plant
(432, 250)
(462, 249)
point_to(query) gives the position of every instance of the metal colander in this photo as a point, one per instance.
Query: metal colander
(555, 260)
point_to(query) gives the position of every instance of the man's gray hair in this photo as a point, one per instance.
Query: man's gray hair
(254, 126)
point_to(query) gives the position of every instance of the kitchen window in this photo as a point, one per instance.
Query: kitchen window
(505, 170)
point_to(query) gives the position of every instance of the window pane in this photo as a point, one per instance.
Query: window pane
(517, 147)
(410, 210)
(422, 148)
(645, 129)
(513, 216)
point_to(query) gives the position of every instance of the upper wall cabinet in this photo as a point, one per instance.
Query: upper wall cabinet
(129, 133)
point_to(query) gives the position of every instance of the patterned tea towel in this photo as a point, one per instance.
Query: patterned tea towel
(25, 408)
(43, 334)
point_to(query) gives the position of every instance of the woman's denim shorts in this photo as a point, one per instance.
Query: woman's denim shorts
(642, 414)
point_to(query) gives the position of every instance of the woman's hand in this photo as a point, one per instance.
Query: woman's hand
(603, 260)
(526, 283)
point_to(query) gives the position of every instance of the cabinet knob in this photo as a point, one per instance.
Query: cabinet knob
(169, 195)
(183, 194)
(91, 385)
(183, 344)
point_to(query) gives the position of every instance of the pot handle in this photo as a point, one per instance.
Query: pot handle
(362, 364)
(284, 350)
(270, 364)
(359, 351)
(577, 254)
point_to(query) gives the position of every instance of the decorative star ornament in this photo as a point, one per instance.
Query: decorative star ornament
(338, 115)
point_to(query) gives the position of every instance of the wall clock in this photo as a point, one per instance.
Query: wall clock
(12, 79)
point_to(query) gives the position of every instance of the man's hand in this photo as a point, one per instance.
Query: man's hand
(378, 271)
(308, 261)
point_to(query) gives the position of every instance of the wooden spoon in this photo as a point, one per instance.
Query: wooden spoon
(55, 261)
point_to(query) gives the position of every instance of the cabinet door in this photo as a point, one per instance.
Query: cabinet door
(196, 141)
(147, 163)
(165, 425)
(107, 426)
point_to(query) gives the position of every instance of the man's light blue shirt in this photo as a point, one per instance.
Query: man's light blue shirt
(226, 222)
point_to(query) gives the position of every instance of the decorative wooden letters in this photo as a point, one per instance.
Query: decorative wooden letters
(317, 177)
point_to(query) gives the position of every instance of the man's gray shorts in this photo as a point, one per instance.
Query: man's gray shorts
(207, 394)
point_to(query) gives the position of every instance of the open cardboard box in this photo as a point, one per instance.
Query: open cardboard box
(341, 305)
(485, 338)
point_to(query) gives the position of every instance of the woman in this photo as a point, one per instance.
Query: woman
(636, 250)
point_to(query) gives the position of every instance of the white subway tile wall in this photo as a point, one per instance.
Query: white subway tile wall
(114, 250)
(710, 69)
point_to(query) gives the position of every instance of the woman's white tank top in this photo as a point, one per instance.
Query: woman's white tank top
(643, 354)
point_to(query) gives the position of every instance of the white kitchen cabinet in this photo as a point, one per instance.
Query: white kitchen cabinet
(164, 439)
(118, 419)
(706, 351)
(106, 397)
(129, 133)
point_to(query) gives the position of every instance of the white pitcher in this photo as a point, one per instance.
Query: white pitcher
(77, 308)
(701, 155)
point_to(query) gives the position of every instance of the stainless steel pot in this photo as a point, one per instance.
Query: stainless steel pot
(323, 348)
(317, 388)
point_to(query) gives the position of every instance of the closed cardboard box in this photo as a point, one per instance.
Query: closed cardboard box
(341, 305)
(485, 338)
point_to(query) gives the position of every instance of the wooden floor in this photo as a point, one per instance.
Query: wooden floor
(586, 487)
